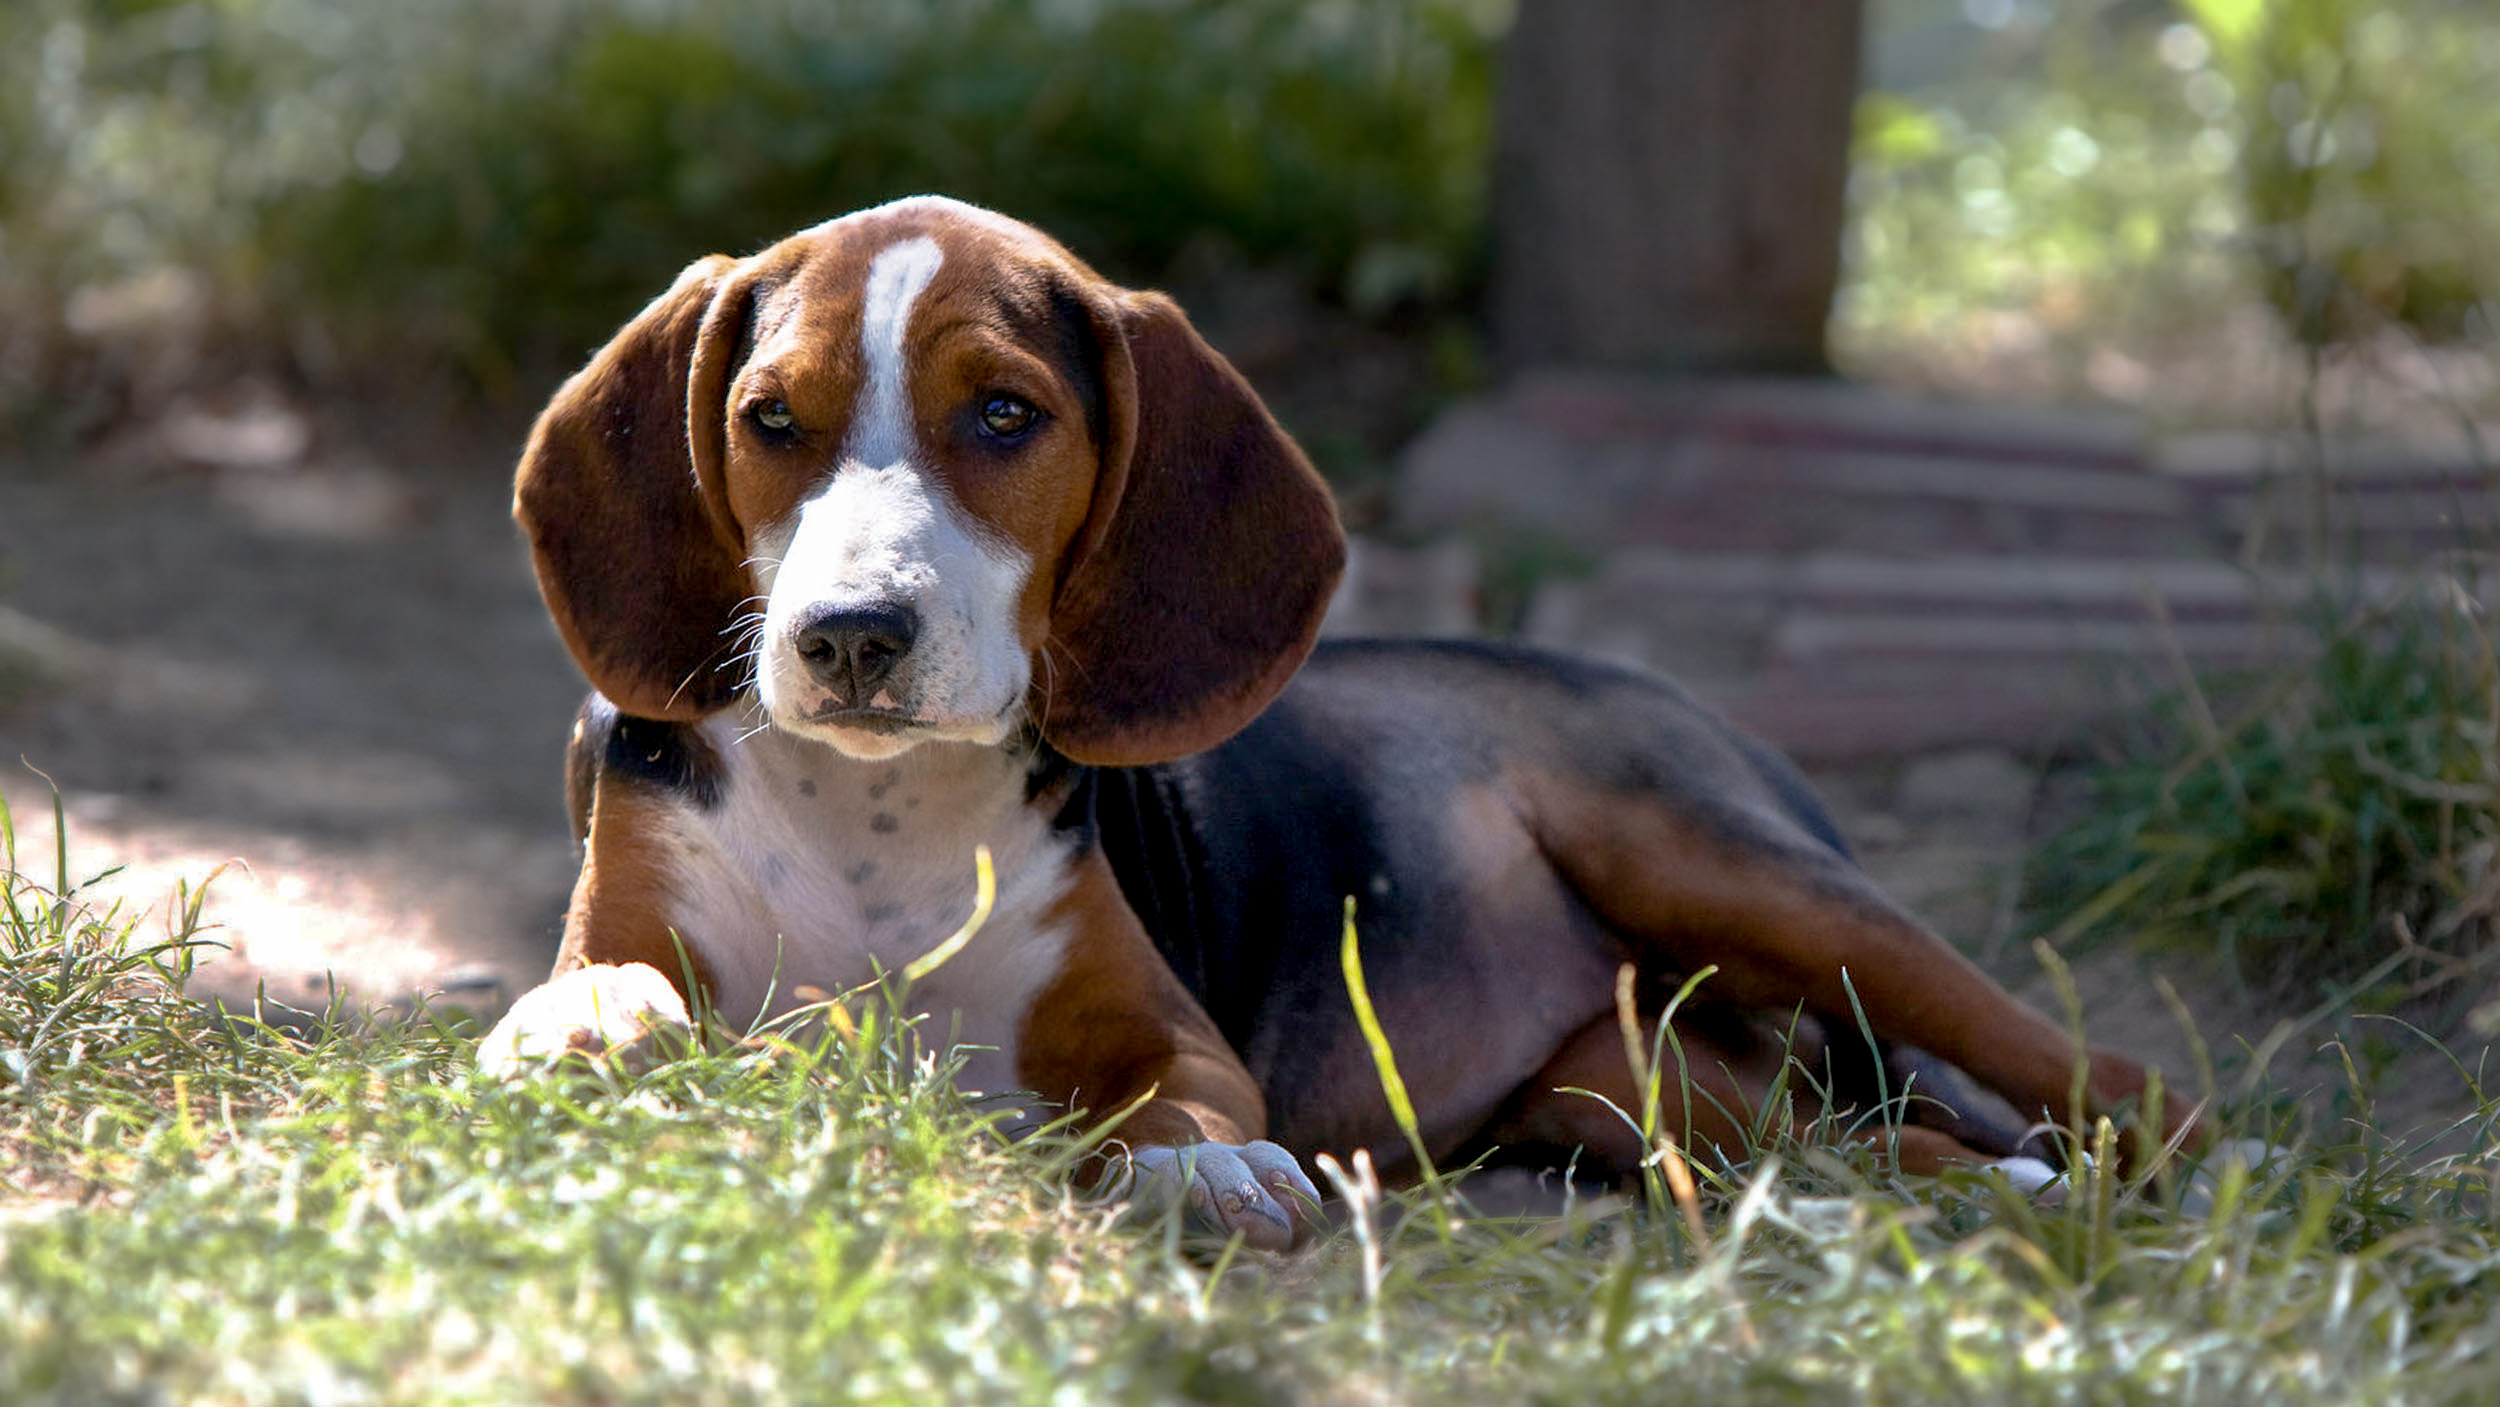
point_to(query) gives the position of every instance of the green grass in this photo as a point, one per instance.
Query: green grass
(198, 1209)
(2329, 828)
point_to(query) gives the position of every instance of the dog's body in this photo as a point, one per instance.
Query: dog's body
(911, 534)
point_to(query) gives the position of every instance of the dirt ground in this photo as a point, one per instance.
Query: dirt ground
(326, 671)
(314, 665)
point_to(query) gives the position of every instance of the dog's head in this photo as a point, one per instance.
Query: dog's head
(918, 474)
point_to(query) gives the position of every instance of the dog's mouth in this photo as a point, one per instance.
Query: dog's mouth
(877, 732)
(882, 721)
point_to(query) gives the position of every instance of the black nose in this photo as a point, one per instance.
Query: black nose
(852, 650)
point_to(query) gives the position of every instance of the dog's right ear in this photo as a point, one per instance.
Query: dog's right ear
(620, 494)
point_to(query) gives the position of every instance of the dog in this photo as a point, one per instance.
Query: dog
(911, 533)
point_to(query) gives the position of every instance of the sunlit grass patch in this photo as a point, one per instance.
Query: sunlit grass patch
(221, 1210)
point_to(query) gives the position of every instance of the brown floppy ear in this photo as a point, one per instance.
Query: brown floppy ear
(619, 492)
(1204, 566)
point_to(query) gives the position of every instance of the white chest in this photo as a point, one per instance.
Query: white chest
(817, 870)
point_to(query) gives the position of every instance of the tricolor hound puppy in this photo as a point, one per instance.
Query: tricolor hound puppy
(911, 533)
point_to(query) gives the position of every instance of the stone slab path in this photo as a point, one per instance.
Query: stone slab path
(1857, 574)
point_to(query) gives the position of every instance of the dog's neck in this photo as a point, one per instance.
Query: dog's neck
(828, 867)
(902, 796)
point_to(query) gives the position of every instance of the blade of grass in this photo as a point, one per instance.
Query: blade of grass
(1392, 1084)
(1664, 1155)
(984, 898)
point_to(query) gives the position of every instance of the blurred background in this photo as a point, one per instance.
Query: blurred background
(1989, 400)
(2125, 201)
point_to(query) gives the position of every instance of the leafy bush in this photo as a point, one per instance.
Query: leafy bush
(501, 184)
(490, 187)
(2340, 834)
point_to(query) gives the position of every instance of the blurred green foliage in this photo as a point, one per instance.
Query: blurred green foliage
(497, 184)
(2370, 156)
(2121, 173)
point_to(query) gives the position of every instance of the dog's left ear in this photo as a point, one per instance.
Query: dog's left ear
(619, 493)
(1197, 584)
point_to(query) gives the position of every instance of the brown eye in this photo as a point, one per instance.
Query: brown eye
(1008, 417)
(773, 416)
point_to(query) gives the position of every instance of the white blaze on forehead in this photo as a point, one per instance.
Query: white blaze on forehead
(881, 432)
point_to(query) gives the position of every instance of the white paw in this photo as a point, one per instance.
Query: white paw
(2039, 1180)
(1256, 1190)
(626, 1017)
(2031, 1176)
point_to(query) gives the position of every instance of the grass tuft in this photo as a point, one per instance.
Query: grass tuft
(2334, 837)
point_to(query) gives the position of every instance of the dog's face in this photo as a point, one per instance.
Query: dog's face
(915, 432)
(919, 475)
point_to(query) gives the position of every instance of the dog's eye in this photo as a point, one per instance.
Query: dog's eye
(1007, 417)
(773, 416)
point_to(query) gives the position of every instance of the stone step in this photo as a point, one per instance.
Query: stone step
(2448, 449)
(2386, 521)
(1809, 411)
(1788, 467)
(2375, 500)
(1819, 724)
(1635, 580)
(2029, 581)
(1851, 571)
(1840, 657)
(1828, 639)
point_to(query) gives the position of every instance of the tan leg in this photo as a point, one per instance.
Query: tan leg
(1792, 924)
(619, 912)
(1115, 1027)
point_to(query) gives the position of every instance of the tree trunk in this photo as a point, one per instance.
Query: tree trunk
(1668, 182)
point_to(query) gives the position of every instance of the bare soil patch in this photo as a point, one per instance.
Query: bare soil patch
(319, 664)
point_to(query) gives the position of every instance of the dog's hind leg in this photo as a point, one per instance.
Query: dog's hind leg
(1726, 1080)
(1788, 921)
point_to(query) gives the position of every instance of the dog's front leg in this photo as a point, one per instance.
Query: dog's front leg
(622, 982)
(1115, 1031)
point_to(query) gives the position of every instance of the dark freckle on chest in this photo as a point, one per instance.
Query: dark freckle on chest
(883, 913)
(883, 823)
(806, 787)
(884, 784)
(862, 872)
(775, 870)
(911, 803)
